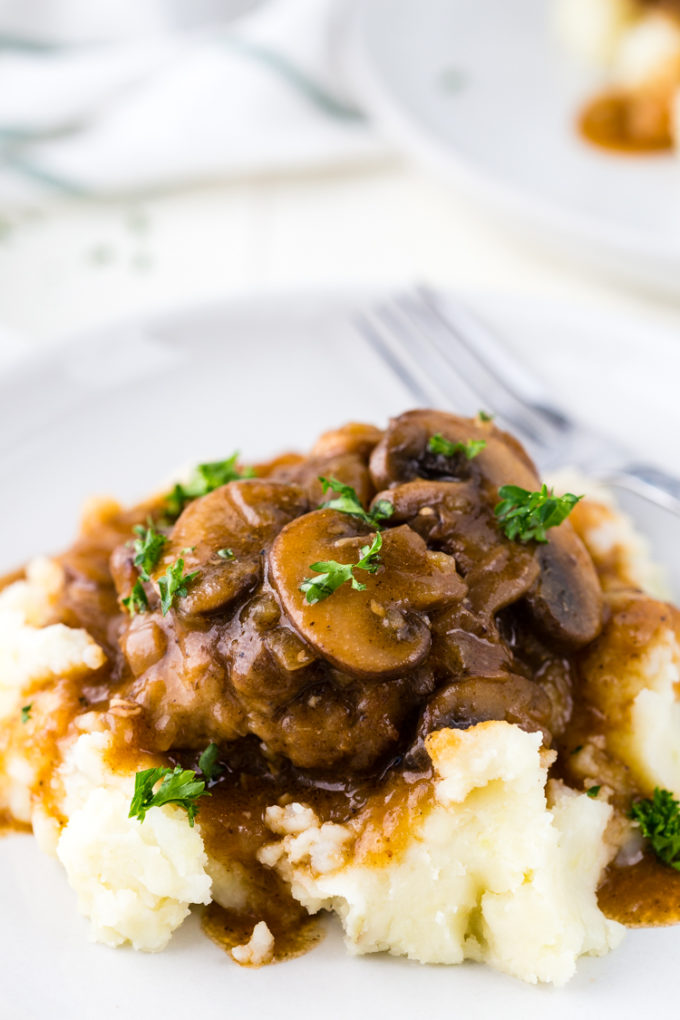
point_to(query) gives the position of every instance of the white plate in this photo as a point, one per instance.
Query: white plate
(116, 412)
(485, 93)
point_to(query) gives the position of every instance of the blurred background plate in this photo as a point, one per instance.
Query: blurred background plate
(486, 94)
(116, 411)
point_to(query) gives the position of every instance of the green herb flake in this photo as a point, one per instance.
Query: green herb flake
(471, 448)
(347, 502)
(485, 416)
(208, 763)
(179, 786)
(147, 547)
(26, 712)
(526, 516)
(136, 602)
(204, 479)
(225, 554)
(174, 584)
(575, 750)
(333, 574)
(659, 821)
(593, 791)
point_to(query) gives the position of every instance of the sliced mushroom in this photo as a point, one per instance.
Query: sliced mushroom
(242, 517)
(566, 599)
(376, 632)
(355, 437)
(348, 468)
(500, 578)
(451, 515)
(403, 454)
(465, 703)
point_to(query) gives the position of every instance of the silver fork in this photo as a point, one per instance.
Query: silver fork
(446, 357)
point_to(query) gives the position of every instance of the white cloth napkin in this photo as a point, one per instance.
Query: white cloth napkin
(263, 95)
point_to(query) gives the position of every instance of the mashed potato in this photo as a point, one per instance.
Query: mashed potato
(134, 880)
(489, 871)
(632, 675)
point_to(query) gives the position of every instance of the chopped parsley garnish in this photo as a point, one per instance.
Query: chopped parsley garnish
(136, 602)
(593, 791)
(179, 786)
(526, 516)
(437, 444)
(208, 763)
(204, 479)
(26, 712)
(485, 416)
(347, 502)
(333, 574)
(659, 821)
(173, 584)
(225, 554)
(147, 549)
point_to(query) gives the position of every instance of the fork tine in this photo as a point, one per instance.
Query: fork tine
(427, 354)
(462, 339)
(394, 359)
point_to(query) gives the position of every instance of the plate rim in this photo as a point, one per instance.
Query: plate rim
(548, 221)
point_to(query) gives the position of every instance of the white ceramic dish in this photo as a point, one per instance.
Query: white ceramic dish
(117, 411)
(484, 93)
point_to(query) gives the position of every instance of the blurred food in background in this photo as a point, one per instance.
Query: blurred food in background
(637, 44)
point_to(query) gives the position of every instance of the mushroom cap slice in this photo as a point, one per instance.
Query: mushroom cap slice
(566, 599)
(477, 699)
(377, 632)
(403, 453)
(355, 437)
(243, 516)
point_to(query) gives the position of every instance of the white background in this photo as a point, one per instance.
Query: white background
(68, 265)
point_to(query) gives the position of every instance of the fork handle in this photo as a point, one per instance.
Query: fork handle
(652, 483)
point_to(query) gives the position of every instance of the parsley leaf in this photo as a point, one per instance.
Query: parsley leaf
(174, 584)
(147, 549)
(485, 416)
(204, 479)
(26, 712)
(437, 444)
(333, 574)
(225, 554)
(526, 516)
(593, 791)
(136, 602)
(347, 502)
(659, 821)
(179, 786)
(208, 763)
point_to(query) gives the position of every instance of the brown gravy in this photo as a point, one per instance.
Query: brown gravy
(642, 895)
(229, 928)
(632, 124)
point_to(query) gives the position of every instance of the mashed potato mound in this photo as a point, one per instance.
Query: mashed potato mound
(489, 871)
(32, 652)
(134, 881)
(632, 676)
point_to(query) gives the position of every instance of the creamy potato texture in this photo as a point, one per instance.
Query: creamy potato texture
(488, 870)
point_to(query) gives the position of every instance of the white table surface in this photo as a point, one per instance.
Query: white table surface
(68, 265)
